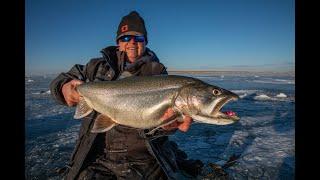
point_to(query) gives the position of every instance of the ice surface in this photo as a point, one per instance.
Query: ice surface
(275, 81)
(47, 152)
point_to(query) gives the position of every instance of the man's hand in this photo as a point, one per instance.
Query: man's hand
(182, 126)
(70, 94)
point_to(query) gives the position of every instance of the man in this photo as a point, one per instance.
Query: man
(122, 152)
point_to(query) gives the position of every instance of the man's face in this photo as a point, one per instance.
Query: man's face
(133, 49)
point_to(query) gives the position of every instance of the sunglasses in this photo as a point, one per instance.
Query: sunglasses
(129, 37)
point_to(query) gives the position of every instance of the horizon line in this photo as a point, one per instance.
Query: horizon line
(206, 71)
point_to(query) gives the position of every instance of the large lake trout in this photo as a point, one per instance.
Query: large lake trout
(140, 102)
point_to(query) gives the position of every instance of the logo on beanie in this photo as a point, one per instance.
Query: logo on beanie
(124, 28)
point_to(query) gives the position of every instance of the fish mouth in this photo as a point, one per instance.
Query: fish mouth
(226, 115)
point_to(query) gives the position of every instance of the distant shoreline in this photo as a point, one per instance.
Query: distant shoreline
(205, 72)
(231, 73)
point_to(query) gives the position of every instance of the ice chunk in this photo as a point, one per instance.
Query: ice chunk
(281, 95)
(262, 97)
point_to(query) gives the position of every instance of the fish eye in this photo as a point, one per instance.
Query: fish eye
(216, 92)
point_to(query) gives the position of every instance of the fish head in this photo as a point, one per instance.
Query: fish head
(203, 103)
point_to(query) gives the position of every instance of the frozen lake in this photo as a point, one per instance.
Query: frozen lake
(264, 138)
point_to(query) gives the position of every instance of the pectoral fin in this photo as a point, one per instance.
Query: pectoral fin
(102, 124)
(82, 109)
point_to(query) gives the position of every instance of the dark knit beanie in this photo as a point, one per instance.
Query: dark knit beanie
(132, 24)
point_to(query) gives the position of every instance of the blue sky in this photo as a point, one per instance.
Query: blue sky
(199, 35)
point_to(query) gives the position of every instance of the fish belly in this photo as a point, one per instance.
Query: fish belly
(142, 110)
